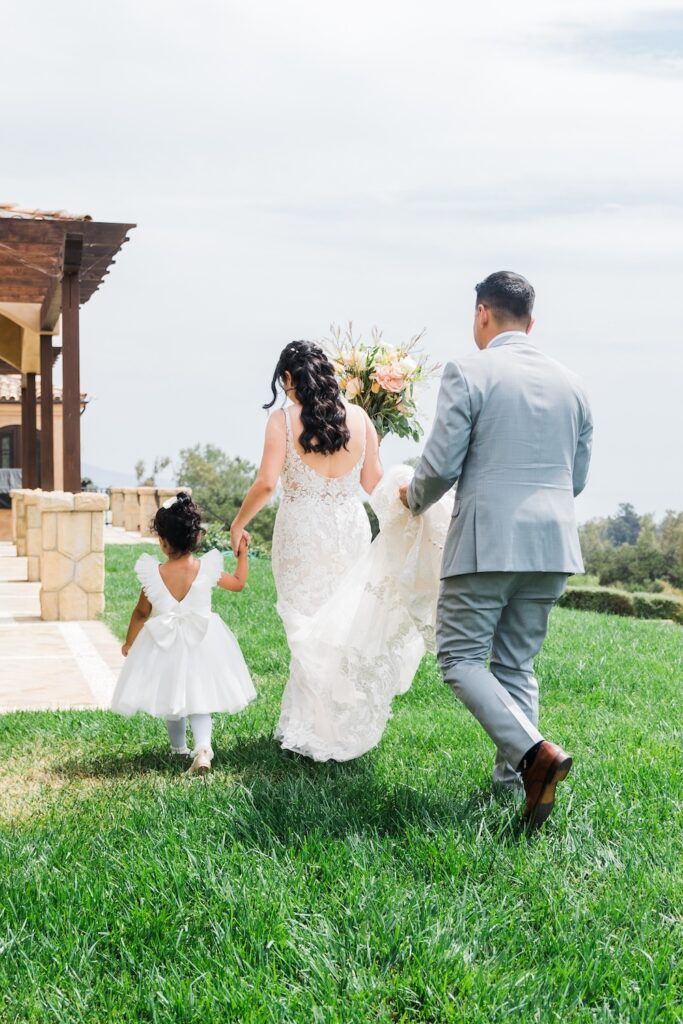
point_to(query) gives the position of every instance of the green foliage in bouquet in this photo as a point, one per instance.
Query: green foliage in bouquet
(382, 379)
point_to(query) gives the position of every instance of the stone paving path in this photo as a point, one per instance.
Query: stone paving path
(117, 535)
(50, 665)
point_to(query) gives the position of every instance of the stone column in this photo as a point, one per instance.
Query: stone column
(32, 500)
(19, 519)
(131, 509)
(15, 500)
(147, 497)
(72, 560)
(117, 517)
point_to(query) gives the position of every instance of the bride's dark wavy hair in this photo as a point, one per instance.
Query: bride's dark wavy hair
(323, 415)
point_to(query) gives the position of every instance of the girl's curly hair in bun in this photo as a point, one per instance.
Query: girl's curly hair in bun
(323, 415)
(180, 525)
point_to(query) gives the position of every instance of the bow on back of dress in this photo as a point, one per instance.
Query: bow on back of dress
(188, 619)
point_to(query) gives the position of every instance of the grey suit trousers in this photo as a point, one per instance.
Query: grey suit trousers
(503, 615)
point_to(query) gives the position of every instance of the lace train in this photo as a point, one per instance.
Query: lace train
(363, 646)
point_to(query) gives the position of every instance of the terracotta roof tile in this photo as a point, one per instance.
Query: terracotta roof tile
(8, 210)
(10, 390)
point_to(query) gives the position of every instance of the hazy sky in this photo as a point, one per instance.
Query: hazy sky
(298, 162)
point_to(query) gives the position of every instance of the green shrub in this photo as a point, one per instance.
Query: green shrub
(620, 602)
(656, 606)
(216, 536)
(598, 599)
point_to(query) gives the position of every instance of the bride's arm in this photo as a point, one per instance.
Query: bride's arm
(263, 487)
(372, 471)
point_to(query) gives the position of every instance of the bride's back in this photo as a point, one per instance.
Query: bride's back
(334, 464)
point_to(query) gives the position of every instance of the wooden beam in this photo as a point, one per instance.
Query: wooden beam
(29, 472)
(47, 442)
(51, 305)
(71, 382)
(73, 253)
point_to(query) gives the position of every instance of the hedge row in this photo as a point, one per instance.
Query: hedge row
(620, 602)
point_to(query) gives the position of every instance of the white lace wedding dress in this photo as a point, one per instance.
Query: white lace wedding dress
(358, 617)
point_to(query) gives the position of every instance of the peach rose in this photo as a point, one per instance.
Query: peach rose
(389, 378)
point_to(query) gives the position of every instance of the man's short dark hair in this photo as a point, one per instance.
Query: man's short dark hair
(506, 295)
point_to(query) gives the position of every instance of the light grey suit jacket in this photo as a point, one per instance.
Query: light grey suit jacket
(514, 429)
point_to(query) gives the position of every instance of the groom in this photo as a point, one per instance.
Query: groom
(514, 429)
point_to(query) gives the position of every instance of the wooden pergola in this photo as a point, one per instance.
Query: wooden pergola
(51, 263)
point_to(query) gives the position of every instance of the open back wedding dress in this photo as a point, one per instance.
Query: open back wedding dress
(358, 616)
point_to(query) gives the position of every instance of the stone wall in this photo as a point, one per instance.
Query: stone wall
(19, 519)
(131, 509)
(147, 497)
(140, 505)
(165, 493)
(31, 509)
(117, 515)
(72, 559)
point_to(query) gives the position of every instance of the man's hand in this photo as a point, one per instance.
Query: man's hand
(403, 495)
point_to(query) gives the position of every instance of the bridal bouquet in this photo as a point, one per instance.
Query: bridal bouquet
(381, 378)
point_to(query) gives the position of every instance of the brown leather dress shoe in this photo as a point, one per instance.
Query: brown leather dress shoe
(550, 766)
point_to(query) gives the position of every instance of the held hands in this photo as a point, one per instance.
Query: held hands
(403, 495)
(244, 544)
(237, 535)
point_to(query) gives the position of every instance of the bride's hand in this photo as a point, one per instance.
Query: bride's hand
(237, 532)
(403, 495)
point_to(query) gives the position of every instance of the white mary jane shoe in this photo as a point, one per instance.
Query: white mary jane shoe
(201, 764)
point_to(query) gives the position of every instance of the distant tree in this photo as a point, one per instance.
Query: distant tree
(623, 528)
(594, 542)
(149, 480)
(650, 561)
(671, 543)
(638, 564)
(219, 484)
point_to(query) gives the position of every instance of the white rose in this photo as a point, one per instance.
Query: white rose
(407, 366)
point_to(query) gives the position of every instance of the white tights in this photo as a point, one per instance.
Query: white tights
(201, 732)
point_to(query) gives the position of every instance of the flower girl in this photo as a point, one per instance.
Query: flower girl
(182, 660)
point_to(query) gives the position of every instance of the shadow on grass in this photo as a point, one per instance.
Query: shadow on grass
(272, 798)
(123, 766)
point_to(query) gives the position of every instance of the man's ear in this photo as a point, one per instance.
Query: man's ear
(530, 325)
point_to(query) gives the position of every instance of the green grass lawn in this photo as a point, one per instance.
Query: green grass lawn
(392, 889)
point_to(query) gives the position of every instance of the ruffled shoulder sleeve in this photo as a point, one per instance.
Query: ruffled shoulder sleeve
(147, 571)
(212, 567)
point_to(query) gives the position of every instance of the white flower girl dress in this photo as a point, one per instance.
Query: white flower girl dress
(185, 661)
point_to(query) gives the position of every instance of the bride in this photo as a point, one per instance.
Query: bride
(358, 617)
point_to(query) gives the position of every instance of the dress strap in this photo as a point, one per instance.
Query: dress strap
(288, 423)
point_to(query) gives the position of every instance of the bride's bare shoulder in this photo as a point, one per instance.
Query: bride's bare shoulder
(364, 421)
(356, 417)
(276, 422)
